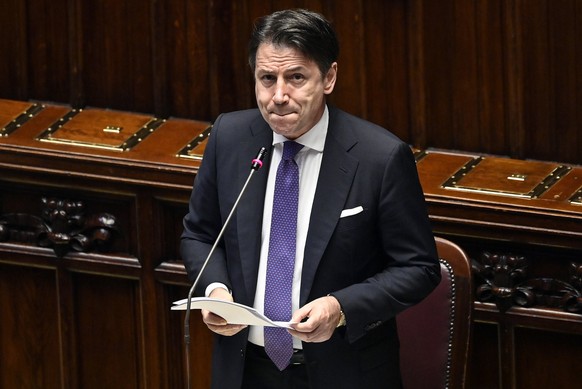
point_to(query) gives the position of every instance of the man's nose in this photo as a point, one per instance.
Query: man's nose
(280, 96)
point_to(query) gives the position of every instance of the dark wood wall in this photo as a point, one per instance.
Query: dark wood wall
(493, 76)
(487, 76)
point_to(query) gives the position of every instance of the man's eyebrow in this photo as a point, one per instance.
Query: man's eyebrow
(297, 68)
(292, 69)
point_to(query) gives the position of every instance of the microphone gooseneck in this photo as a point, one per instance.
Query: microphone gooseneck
(256, 164)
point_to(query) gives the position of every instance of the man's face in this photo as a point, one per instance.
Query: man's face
(290, 89)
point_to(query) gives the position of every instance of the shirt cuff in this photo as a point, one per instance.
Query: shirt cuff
(215, 285)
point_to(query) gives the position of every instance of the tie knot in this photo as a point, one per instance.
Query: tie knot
(291, 149)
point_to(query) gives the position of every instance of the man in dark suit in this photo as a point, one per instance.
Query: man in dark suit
(362, 245)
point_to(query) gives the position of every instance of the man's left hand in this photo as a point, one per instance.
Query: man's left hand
(317, 320)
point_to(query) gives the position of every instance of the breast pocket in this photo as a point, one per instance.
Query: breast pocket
(353, 221)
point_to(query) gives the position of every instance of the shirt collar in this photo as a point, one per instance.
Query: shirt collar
(314, 138)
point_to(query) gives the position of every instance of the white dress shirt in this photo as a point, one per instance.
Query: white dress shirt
(309, 162)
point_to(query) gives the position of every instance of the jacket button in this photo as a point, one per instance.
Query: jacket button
(371, 326)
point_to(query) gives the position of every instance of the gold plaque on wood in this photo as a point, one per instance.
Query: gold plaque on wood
(13, 114)
(195, 148)
(101, 129)
(506, 177)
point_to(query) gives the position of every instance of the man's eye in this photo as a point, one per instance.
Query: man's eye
(267, 79)
(298, 77)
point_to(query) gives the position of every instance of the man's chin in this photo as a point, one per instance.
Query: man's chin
(284, 131)
(282, 128)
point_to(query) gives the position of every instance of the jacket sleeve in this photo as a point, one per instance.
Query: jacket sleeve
(203, 222)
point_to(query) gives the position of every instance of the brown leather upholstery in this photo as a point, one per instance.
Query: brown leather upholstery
(435, 334)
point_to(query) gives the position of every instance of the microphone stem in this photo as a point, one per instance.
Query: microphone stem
(191, 292)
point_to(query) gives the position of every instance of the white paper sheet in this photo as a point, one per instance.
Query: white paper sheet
(233, 313)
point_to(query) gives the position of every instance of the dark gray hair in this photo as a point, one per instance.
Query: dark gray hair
(305, 31)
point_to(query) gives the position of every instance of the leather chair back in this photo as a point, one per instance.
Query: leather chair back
(435, 334)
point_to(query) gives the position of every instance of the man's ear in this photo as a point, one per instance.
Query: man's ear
(329, 79)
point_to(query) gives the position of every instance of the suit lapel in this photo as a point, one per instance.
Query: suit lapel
(336, 175)
(250, 212)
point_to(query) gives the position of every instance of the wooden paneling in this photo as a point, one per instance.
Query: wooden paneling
(98, 315)
(492, 76)
(116, 54)
(484, 364)
(29, 327)
(533, 350)
(107, 332)
(552, 82)
(184, 65)
(526, 251)
(13, 46)
(200, 344)
(48, 43)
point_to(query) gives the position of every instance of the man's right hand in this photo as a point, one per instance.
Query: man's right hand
(216, 323)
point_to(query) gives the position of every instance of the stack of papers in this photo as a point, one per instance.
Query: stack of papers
(233, 313)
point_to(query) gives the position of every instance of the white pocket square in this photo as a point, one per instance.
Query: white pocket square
(351, 211)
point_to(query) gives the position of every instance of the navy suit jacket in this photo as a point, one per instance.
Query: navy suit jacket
(376, 263)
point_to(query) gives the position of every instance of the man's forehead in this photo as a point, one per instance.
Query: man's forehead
(270, 56)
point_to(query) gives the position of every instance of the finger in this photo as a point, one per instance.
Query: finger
(212, 319)
(309, 337)
(302, 336)
(312, 332)
(227, 330)
(301, 315)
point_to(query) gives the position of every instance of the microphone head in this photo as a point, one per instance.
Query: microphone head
(257, 163)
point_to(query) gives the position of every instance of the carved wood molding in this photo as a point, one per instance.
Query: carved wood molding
(502, 279)
(62, 225)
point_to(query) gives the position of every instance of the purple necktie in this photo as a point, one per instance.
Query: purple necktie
(281, 259)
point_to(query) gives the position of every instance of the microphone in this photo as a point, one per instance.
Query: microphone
(256, 164)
